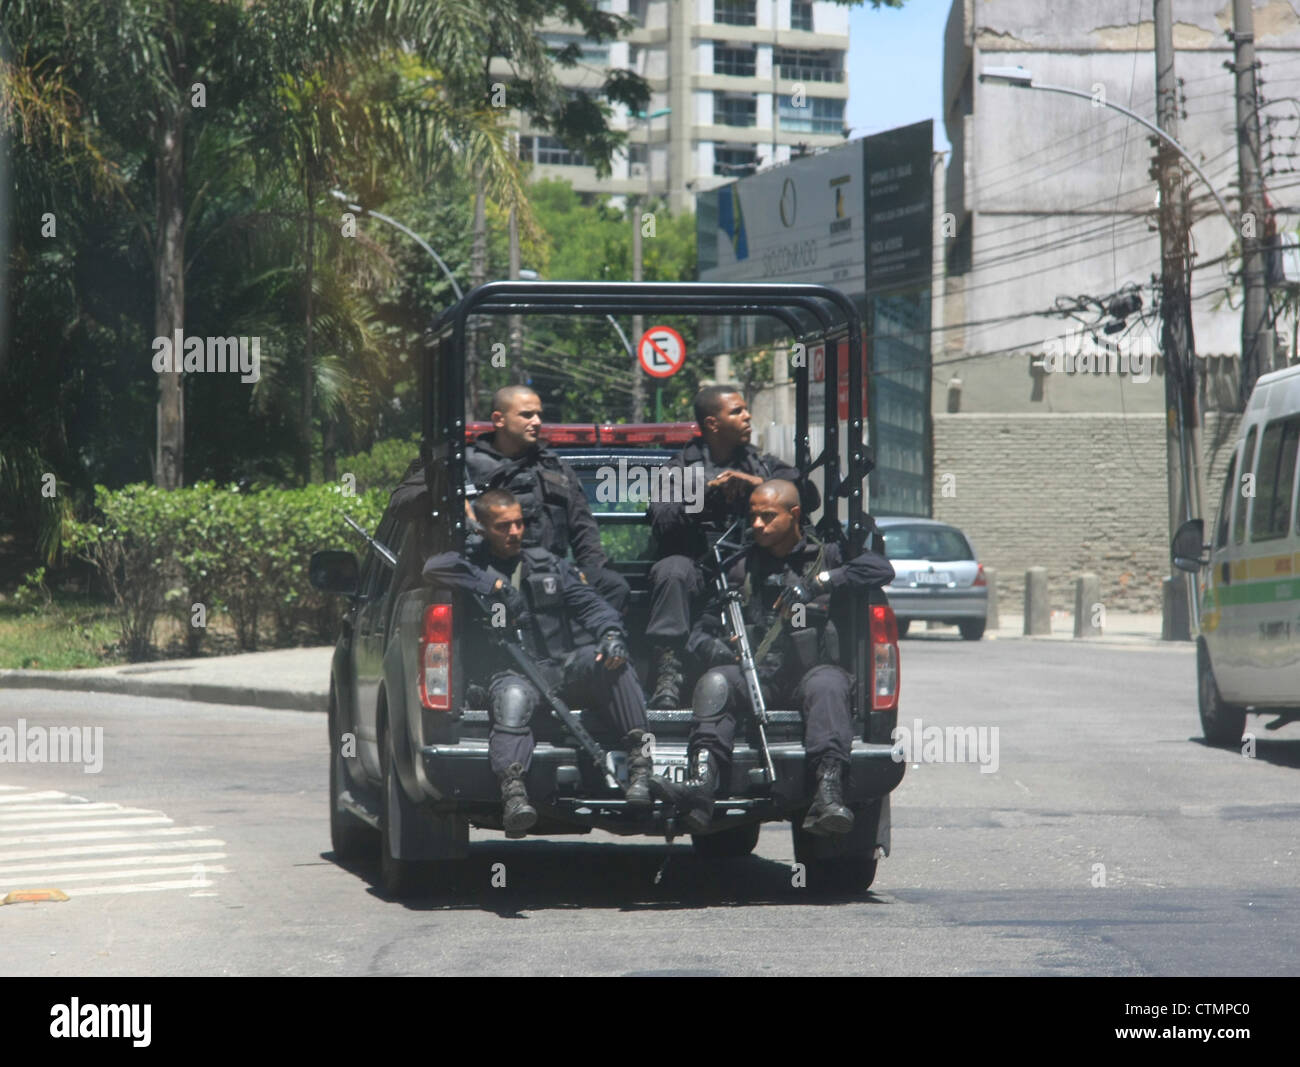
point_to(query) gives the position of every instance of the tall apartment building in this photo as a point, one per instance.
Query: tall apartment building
(747, 84)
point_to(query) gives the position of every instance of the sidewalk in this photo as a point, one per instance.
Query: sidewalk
(297, 679)
(1121, 627)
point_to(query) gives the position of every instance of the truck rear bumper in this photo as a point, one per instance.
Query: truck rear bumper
(561, 779)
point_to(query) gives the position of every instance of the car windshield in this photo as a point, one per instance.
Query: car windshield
(622, 538)
(939, 544)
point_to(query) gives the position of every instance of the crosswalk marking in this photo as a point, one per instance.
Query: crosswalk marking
(49, 794)
(47, 824)
(51, 838)
(199, 870)
(74, 809)
(111, 861)
(99, 835)
(144, 887)
(99, 850)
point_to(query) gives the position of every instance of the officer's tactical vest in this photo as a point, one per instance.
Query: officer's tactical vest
(542, 493)
(798, 649)
(542, 584)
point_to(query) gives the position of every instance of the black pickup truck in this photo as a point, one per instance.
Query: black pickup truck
(409, 753)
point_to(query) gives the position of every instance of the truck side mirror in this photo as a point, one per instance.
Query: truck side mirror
(334, 571)
(1188, 546)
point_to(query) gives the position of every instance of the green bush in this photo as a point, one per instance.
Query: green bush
(383, 466)
(33, 595)
(242, 553)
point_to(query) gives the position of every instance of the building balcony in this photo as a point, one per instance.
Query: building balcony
(808, 74)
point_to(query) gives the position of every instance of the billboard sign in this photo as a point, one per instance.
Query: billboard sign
(800, 222)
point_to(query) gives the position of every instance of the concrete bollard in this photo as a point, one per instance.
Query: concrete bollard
(1087, 598)
(1038, 608)
(992, 621)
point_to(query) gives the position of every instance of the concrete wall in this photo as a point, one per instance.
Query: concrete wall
(1070, 492)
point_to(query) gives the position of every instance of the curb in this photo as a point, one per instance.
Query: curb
(201, 692)
(1108, 640)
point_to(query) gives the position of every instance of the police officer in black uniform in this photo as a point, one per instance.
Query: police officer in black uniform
(785, 574)
(571, 633)
(556, 513)
(729, 468)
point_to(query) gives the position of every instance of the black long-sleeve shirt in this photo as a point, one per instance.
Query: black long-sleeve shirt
(767, 577)
(586, 614)
(679, 532)
(556, 513)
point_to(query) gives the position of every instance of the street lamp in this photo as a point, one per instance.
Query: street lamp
(1023, 79)
(351, 204)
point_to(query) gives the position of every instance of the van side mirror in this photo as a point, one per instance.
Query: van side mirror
(334, 571)
(1189, 546)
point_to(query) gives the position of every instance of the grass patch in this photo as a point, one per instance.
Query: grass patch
(72, 631)
(75, 630)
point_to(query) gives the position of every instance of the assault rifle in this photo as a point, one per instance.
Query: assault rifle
(384, 552)
(733, 618)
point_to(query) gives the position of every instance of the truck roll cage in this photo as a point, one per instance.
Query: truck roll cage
(814, 314)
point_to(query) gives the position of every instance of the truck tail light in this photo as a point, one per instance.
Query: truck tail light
(435, 658)
(884, 658)
(979, 576)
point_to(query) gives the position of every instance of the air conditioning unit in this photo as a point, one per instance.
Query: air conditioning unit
(637, 170)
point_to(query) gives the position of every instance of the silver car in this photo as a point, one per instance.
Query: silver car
(937, 577)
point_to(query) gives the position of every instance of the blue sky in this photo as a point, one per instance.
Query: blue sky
(895, 66)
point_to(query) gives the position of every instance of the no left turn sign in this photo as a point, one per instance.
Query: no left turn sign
(661, 351)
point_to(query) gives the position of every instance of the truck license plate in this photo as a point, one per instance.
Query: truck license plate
(671, 767)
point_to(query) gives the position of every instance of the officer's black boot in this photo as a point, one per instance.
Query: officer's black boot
(829, 814)
(517, 815)
(639, 768)
(693, 798)
(668, 679)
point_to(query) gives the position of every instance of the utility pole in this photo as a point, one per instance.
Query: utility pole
(638, 321)
(478, 253)
(1256, 352)
(1176, 341)
(516, 322)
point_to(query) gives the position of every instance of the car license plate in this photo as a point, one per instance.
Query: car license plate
(937, 578)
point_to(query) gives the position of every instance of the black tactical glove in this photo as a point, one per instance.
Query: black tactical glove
(612, 649)
(803, 591)
(513, 599)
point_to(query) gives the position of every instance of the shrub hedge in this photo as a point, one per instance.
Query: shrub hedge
(189, 552)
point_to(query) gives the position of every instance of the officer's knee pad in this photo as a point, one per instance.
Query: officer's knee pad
(512, 709)
(711, 697)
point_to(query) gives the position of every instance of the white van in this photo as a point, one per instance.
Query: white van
(1248, 651)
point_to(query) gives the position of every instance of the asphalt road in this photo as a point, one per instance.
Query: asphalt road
(217, 857)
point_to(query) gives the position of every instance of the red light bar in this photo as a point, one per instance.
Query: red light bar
(573, 434)
(582, 433)
(647, 433)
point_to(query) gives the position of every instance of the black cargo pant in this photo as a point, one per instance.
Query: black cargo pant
(675, 581)
(823, 694)
(611, 585)
(512, 700)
